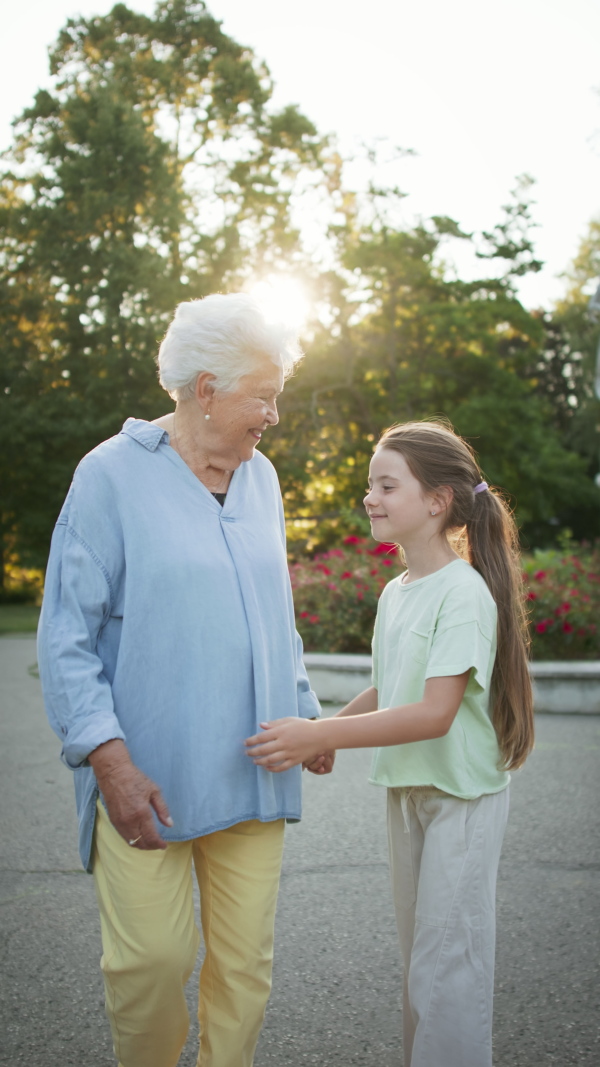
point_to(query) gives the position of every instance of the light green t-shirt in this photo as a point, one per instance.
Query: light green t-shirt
(433, 627)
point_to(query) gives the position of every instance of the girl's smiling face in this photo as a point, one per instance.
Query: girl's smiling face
(397, 505)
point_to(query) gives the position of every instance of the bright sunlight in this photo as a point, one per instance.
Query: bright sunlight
(282, 299)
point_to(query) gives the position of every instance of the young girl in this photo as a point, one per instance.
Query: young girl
(449, 713)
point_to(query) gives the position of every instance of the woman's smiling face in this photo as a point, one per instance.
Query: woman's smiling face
(238, 418)
(396, 503)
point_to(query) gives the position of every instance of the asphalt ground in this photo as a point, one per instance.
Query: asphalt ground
(337, 974)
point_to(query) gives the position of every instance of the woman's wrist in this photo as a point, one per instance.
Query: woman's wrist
(108, 759)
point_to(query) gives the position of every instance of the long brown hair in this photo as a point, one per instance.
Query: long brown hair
(438, 457)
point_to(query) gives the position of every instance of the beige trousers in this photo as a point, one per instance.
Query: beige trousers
(444, 855)
(150, 941)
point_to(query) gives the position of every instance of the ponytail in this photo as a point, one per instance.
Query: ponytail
(438, 457)
(493, 550)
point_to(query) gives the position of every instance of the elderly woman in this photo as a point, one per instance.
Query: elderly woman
(167, 634)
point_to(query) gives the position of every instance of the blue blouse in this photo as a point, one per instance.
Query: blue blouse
(168, 622)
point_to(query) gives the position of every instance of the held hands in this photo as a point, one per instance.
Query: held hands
(286, 742)
(323, 763)
(131, 797)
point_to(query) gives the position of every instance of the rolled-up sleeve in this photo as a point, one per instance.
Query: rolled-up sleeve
(77, 602)
(308, 703)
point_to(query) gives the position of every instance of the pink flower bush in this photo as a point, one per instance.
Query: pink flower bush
(336, 594)
(563, 601)
(336, 598)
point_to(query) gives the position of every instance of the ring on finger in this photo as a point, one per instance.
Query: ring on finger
(135, 840)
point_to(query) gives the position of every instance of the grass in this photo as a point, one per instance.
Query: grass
(18, 618)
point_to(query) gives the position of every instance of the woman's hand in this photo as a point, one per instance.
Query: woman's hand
(130, 797)
(284, 743)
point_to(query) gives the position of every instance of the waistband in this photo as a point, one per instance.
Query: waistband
(408, 791)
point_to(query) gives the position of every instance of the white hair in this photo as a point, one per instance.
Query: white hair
(226, 335)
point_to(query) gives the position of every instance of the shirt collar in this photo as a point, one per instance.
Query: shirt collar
(148, 435)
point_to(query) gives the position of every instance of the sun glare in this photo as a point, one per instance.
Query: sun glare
(282, 299)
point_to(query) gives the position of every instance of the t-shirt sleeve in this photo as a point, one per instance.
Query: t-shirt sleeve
(461, 647)
(464, 635)
(375, 646)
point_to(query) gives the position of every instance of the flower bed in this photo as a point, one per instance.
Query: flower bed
(336, 594)
(563, 595)
(336, 598)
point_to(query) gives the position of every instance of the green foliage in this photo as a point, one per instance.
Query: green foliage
(21, 585)
(18, 618)
(569, 364)
(19, 594)
(510, 240)
(409, 342)
(584, 272)
(336, 594)
(153, 172)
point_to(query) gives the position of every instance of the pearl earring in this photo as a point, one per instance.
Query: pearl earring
(433, 512)
(207, 416)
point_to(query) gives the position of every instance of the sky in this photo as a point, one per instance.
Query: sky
(481, 92)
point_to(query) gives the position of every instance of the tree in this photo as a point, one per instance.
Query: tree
(563, 373)
(153, 172)
(410, 342)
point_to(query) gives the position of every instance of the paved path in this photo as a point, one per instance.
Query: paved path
(337, 975)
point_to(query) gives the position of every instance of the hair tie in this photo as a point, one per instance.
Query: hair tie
(481, 488)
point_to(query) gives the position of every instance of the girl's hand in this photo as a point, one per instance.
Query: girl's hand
(284, 743)
(323, 763)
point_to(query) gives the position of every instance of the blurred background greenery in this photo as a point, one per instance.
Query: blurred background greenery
(336, 594)
(156, 170)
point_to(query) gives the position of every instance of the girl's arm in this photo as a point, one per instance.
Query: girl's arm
(361, 704)
(364, 703)
(286, 742)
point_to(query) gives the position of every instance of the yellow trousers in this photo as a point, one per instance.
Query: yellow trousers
(150, 941)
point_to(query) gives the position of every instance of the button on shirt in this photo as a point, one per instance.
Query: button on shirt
(168, 622)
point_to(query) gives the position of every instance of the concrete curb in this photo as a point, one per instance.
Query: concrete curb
(559, 688)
